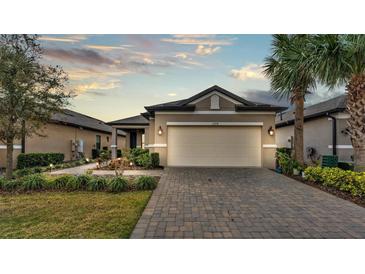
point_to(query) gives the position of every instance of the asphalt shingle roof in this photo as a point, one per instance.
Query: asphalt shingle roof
(74, 118)
(134, 120)
(184, 104)
(336, 104)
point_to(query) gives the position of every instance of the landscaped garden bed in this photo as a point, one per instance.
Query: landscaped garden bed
(345, 184)
(131, 159)
(68, 206)
(332, 190)
(41, 182)
(78, 214)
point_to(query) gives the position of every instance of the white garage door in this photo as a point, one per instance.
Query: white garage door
(214, 146)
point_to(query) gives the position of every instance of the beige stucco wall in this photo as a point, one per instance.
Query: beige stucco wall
(318, 134)
(58, 139)
(268, 154)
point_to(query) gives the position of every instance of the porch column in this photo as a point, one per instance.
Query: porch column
(114, 143)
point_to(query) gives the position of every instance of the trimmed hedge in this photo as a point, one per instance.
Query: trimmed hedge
(26, 160)
(344, 180)
(28, 171)
(155, 159)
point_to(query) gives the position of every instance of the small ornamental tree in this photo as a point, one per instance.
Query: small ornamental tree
(30, 92)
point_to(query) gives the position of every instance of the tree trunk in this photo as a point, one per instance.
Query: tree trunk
(298, 126)
(9, 158)
(356, 109)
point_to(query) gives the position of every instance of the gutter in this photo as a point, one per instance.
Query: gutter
(334, 133)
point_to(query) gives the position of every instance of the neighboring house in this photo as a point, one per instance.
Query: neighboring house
(325, 130)
(71, 133)
(212, 128)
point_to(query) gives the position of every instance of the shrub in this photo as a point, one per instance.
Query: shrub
(345, 166)
(95, 153)
(33, 182)
(135, 154)
(73, 183)
(61, 181)
(28, 171)
(117, 184)
(104, 155)
(146, 183)
(286, 162)
(144, 160)
(26, 160)
(97, 183)
(119, 153)
(83, 181)
(344, 180)
(155, 159)
(9, 185)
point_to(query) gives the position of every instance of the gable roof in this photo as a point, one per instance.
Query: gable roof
(184, 105)
(76, 119)
(333, 105)
(134, 120)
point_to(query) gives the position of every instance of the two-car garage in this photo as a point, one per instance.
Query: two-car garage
(214, 145)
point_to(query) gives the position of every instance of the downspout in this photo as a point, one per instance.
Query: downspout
(334, 133)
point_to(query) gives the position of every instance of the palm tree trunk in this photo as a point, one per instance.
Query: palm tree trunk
(356, 108)
(298, 126)
(9, 158)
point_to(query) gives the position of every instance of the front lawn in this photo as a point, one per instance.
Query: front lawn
(71, 214)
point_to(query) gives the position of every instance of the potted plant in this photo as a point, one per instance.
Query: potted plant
(297, 169)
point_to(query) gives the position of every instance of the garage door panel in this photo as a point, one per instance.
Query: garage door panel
(214, 146)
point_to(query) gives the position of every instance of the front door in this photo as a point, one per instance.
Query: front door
(133, 139)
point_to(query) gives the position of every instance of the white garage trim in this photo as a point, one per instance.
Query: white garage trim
(156, 145)
(269, 146)
(342, 146)
(215, 124)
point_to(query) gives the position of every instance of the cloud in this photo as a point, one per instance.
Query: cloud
(75, 55)
(197, 41)
(64, 39)
(251, 71)
(172, 94)
(77, 74)
(82, 88)
(194, 35)
(104, 47)
(202, 50)
(182, 55)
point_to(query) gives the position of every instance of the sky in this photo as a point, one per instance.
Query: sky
(115, 76)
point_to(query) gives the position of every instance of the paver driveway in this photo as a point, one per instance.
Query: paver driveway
(244, 203)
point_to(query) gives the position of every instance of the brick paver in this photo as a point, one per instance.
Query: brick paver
(244, 203)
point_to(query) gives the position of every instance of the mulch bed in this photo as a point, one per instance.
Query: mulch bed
(340, 194)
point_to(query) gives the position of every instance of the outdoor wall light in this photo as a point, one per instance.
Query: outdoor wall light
(160, 131)
(271, 131)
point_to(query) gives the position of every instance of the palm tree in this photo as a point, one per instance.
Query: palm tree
(338, 60)
(291, 79)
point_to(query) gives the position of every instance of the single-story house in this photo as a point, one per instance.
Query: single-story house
(214, 128)
(325, 130)
(68, 132)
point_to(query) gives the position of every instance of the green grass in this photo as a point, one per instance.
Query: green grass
(71, 215)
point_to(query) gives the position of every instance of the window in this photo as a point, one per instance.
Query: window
(98, 142)
(107, 139)
(214, 102)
